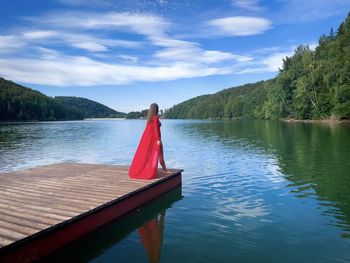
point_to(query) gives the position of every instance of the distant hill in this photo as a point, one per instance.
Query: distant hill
(142, 114)
(89, 108)
(241, 101)
(137, 114)
(312, 84)
(18, 103)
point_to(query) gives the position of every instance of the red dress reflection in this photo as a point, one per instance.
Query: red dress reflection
(151, 235)
(145, 162)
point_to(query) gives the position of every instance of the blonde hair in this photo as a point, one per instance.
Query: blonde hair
(153, 111)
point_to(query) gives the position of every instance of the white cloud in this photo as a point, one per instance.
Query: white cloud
(240, 25)
(9, 43)
(313, 46)
(144, 24)
(90, 46)
(40, 34)
(249, 5)
(82, 71)
(46, 55)
(164, 41)
(275, 60)
(128, 58)
(75, 39)
(198, 55)
(168, 58)
(267, 60)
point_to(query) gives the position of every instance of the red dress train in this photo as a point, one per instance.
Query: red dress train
(145, 162)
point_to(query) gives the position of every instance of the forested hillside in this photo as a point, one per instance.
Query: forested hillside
(90, 108)
(310, 85)
(142, 114)
(137, 114)
(18, 103)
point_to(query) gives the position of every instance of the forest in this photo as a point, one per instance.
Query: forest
(18, 103)
(312, 84)
(89, 108)
(137, 114)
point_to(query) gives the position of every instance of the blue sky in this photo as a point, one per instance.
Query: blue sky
(128, 54)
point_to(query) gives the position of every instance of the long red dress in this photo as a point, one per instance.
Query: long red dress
(145, 162)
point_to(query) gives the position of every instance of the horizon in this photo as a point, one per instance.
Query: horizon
(129, 55)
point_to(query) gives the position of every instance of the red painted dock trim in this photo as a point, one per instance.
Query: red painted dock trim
(38, 245)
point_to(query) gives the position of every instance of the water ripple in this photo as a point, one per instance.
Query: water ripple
(253, 191)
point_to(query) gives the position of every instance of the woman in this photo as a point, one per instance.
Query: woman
(150, 149)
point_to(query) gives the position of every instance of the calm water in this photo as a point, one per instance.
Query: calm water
(253, 191)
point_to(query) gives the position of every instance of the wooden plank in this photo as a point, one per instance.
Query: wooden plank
(51, 205)
(23, 206)
(12, 210)
(62, 206)
(23, 221)
(83, 194)
(76, 182)
(80, 200)
(5, 241)
(11, 234)
(39, 200)
(18, 228)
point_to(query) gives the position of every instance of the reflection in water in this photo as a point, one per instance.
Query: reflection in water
(151, 236)
(312, 157)
(148, 220)
(256, 191)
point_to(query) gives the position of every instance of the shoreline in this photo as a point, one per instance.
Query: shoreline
(103, 119)
(53, 121)
(323, 121)
(287, 120)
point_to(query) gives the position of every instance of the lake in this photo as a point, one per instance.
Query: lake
(253, 191)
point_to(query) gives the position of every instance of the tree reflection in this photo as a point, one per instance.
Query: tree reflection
(312, 157)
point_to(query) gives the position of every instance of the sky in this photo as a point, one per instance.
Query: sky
(129, 54)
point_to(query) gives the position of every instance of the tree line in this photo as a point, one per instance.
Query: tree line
(312, 84)
(90, 108)
(18, 103)
(141, 114)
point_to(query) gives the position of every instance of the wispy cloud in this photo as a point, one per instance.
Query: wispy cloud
(40, 34)
(144, 24)
(76, 2)
(249, 5)
(195, 54)
(269, 59)
(9, 43)
(168, 58)
(81, 49)
(240, 25)
(82, 71)
(299, 11)
(75, 39)
(128, 58)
